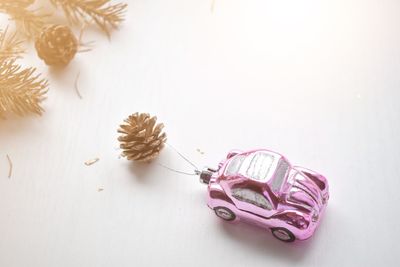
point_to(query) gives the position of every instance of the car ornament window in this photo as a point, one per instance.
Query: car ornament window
(280, 175)
(235, 164)
(252, 197)
(257, 166)
(262, 165)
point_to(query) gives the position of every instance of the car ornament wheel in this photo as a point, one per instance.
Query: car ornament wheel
(225, 213)
(283, 234)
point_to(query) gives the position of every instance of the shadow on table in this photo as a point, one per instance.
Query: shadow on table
(141, 171)
(262, 241)
(13, 125)
(149, 174)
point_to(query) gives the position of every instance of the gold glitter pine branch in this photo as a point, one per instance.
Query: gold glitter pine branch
(10, 45)
(28, 22)
(21, 90)
(104, 14)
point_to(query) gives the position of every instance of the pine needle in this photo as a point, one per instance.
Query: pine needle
(21, 89)
(10, 45)
(76, 85)
(105, 15)
(84, 46)
(11, 167)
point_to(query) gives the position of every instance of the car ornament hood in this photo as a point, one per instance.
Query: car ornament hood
(304, 192)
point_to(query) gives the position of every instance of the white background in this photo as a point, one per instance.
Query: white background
(315, 80)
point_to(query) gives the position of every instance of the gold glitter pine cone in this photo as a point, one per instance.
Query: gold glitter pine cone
(142, 139)
(56, 45)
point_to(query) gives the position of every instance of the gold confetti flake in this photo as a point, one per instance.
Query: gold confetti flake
(199, 150)
(91, 161)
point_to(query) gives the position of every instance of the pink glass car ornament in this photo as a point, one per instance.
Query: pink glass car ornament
(263, 188)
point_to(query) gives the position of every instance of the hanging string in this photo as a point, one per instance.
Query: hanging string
(196, 172)
(196, 169)
(182, 156)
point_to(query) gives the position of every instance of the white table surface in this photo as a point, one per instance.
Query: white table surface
(315, 80)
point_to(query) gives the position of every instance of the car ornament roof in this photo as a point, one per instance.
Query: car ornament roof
(257, 166)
